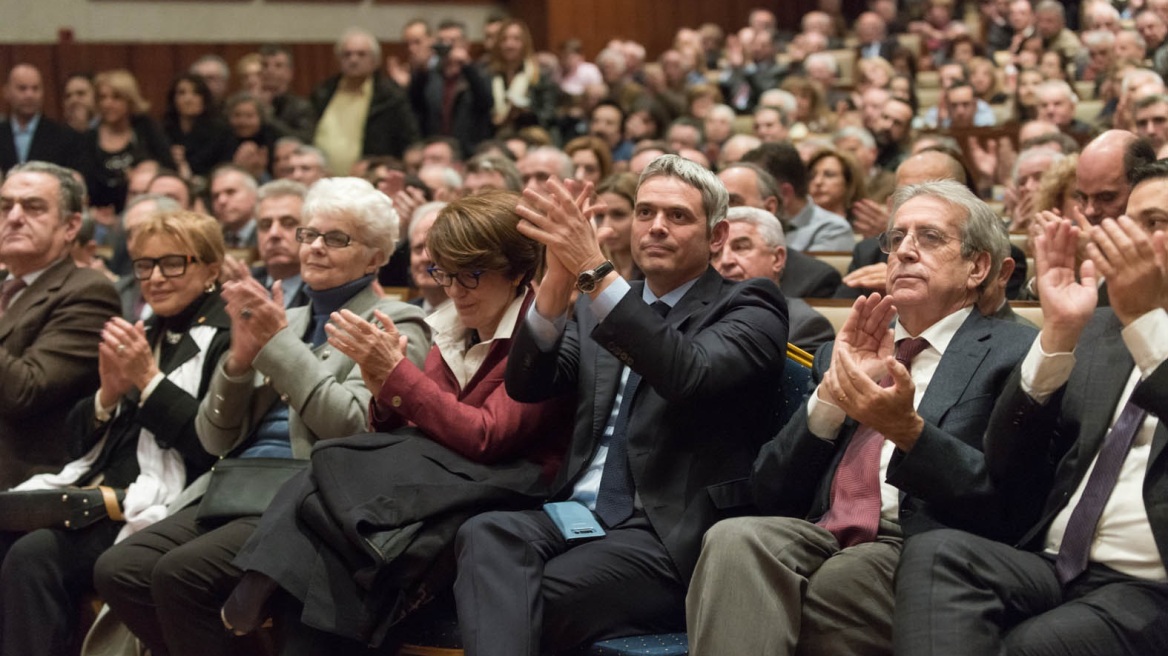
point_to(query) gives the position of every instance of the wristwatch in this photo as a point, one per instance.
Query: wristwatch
(587, 281)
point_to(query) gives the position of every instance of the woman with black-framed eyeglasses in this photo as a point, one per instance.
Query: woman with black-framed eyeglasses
(136, 435)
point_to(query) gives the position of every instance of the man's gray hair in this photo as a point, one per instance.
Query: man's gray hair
(216, 60)
(357, 31)
(356, 199)
(249, 180)
(723, 110)
(280, 189)
(855, 132)
(981, 230)
(305, 149)
(432, 207)
(70, 191)
(715, 198)
(1099, 38)
(1060, 86)
(161, 202)
(767, 225)
(616, 57)
(566, 167)
(767, 185)
(1050, 6)
(1035, 153)
(498, 164)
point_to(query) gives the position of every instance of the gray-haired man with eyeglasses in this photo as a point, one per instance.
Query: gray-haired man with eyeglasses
(888, 446)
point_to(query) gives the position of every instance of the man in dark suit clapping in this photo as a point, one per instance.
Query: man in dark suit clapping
(676, 378)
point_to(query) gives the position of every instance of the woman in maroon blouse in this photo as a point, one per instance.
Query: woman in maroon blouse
(452, 444)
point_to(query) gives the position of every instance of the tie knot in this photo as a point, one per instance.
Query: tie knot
(662, 308)
(908, 349)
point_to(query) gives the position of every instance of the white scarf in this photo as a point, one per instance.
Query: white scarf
(162, 473)
(514, 95)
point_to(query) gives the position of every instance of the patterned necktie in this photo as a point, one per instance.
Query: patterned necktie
(614, 500)
(8, 290)
(854, 515)
(1076, 547)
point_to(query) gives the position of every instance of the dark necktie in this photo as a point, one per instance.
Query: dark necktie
(8, 290)
(1076, 547)
(614, 500)
(854, 515)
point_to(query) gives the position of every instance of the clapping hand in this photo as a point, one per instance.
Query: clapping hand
(1134, 264)
(255, 317)
(377, 350)
(125, 360)
(1067, 302)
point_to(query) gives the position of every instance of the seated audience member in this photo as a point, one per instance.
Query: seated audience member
(79, 102)
(607, 123)
(51, 318)
(683, 336)
(136, 435)
(837, 181)
(770, 124)
(1151, 122)
(27, 135)
(252, 138)
(867, 464)
(801, 275)
(809, 226)
(1056, 103)
(449, 94)
(199, 138)
(1074, 441)
(522, 93)
(282, 156)
(1106, 168)
(893, 133)
(288, 113)
(216, 73)
(279, 213)
(464, 421)
(233, 203)
(647, 151)
(124, 137)
(485, 172)
(307, 166)
(614, 223)
(138, 211)
(543, 163)
(591, 159)
(360, 91)
(279, 390)
(755, 248)
(172, 185)
(861, 145)
(431, 294)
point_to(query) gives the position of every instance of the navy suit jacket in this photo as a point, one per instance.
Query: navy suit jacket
(1039, 454)
(711, 372)
(943, 479)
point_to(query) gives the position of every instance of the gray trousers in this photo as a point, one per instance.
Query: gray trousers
(778, 585)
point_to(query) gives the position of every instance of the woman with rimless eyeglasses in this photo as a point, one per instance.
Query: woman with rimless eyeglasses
(280, 389)
(135, 436)
(453, 445)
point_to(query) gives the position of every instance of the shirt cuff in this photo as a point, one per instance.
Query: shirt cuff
(606, 300)
(149, 389)
(546, 332)
(101, 414)
(824, 418)
(1144, 338)
(1044, 373)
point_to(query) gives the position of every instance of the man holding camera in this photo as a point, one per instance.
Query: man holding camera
(450, 95)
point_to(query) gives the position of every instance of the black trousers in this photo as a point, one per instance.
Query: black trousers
(957, 593)
(522, 589)
(43, 580)
(168, 582)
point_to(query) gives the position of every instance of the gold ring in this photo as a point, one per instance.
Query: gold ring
(121, 348)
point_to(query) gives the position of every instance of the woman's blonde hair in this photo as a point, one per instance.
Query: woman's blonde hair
(199, 234)
(125, 86)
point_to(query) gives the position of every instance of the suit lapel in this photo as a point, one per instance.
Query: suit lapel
(695, 300)
(35, 294)
(964, 355)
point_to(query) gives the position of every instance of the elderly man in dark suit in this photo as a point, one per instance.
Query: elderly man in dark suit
(1077, 442)
(864, 464)
(28, 135)
(51, 317)
(676, 379)
(755, 248)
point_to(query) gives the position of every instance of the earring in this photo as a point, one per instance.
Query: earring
(210, 287)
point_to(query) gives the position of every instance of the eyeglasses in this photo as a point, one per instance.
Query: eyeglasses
(171, 266)
(332, 238)
(926, 239)
(468, 279)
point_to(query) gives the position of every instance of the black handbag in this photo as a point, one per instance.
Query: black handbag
(243, 487)
(69, 508)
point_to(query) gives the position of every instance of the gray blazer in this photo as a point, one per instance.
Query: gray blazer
(322, 387)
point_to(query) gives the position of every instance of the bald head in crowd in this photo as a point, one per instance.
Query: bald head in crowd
(929, 165)
(1102, 180)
